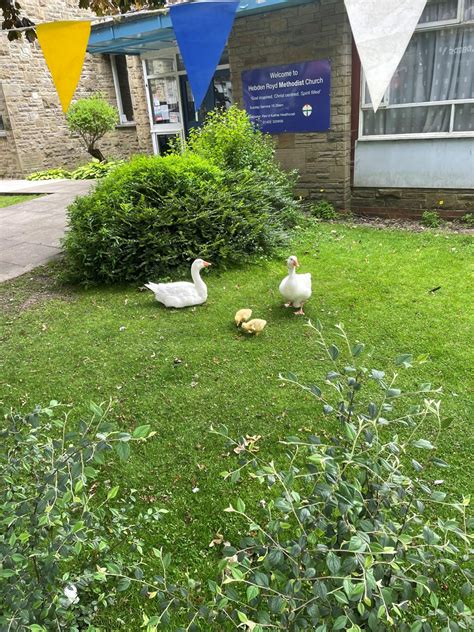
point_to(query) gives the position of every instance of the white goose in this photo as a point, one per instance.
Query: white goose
(295, 288)
(182, 293)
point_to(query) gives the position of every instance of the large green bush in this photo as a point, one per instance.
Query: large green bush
(155, 214)
(230, 140)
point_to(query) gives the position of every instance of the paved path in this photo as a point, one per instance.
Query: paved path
(30, 232)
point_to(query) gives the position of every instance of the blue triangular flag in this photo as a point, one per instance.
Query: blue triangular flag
(201, 30)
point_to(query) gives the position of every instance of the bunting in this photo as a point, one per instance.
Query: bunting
(382, 30)
(64, 48)
(202, 30)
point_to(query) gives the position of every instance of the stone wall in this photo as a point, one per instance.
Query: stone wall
(38, 134)
(9, 165)
(411, 203)
(318, 30)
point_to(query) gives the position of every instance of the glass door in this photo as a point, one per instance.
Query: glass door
(164, 100)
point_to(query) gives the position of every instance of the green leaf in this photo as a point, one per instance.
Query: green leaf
(340, 622)
(424, 444)
(377, 375)
(141, 431)
(261, 579)
(123, 584)
(393, 392)
(315, 390)
(405, 359)
(357, 544)
(358, 349)
(418, 466)
(97, 410)
(123, 450)
(430, 536)
(333, 352)
(333, 563)
(252, 592)
(438, 462)
(242, 617)
(240, 505)
(341, 597)
(113, 492)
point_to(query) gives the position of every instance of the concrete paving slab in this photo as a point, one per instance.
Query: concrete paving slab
(31, 231)
(25, 254)
(10, 270)
(13, 187)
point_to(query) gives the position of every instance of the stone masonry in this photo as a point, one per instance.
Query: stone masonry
(36, 133)
(317, 30)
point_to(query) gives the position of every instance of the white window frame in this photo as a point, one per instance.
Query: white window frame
(122, 115)
(163, 129)
(385, 104)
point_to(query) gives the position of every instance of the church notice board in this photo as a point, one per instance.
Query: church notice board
(289, 98)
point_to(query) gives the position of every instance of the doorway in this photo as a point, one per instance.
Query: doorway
(164, 100)
(170, 101)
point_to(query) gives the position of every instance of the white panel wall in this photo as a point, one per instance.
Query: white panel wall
(431, 163)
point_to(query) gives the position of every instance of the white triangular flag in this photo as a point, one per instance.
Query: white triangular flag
(382, 30)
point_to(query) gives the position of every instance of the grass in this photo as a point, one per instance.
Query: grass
(10, 200)
(184, 370)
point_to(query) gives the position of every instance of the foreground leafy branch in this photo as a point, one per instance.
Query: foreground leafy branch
(354, 533)
(59, 525)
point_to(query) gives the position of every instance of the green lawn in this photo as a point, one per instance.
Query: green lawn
(184, 370)
(9, 200)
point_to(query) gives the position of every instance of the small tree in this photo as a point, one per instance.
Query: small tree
(91, 119)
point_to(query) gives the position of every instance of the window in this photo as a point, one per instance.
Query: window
(219, 94)
(2, 125)
(432, 90)
(162, 83)
(122, 88)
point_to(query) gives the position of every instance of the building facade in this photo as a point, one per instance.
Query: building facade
(417, 151)
(33, 131)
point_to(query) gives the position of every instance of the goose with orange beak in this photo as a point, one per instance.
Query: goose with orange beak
(182, 293)
(295, 288)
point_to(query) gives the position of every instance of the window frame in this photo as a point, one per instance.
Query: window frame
(458, 22)
(118, 95)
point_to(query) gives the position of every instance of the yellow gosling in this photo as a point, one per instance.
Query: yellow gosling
(242, 315)
(255, 326)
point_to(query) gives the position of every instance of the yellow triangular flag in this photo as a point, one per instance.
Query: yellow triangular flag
(64, 48)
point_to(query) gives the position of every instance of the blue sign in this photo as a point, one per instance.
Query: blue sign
(291, 98)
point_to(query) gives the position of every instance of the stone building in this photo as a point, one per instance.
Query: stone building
(417, 151)
(33, 131)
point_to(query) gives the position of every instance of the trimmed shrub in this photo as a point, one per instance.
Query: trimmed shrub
(155, 214)
(91, 118)
(230, 140)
